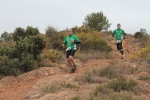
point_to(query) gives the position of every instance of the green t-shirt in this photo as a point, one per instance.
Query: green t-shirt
(118, 33)
(71, 45)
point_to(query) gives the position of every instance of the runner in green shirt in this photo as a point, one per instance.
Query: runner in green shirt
(119, 35)
(71, 40)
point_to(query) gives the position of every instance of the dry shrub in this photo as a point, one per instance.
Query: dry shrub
(145, 40)
(143, 37)
(62, 59)
(112, 71)
(145, 52)
(129, 70)
(142, 56)
(121, 68)
(52, 88)
(52, 55)
(99, 75)
(142, 88)
(107, 35)
(103, 93)
(56, 86)
(122, 84)
(101, 88)
(108, 72)
(89, 78)
(85, 56)
(137, 89)
(138, 35)
(48, 63)
(144, 77)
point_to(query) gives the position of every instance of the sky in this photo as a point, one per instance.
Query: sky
(62, 14)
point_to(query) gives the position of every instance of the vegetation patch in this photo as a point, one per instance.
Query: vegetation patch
(56, 86)
(85, 56)
(75, 98)
(124, 95)
(144, 77)
(52, 55)
(99, 75)
(103, 92)
(122, 84)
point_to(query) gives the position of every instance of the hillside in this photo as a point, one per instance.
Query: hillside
(32, 85)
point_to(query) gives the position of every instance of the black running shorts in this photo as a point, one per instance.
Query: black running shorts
(119, 46)
(70, 53)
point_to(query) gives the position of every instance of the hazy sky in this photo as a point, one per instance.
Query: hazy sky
(132, 14)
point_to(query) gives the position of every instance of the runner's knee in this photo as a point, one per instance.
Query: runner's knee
(70, 57)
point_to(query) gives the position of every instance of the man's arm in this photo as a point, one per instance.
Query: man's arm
(64, 42)
(77, 41)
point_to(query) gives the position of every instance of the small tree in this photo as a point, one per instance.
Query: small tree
(18, 35)
(25, 48)
(97, 21)
(29, 47)
(5, 36)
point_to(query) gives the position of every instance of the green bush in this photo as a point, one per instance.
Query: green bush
(9, 66)
(18, 56)
(8, 49)
(92, 42)
(26, 63)
(6, 37)
(40, 62)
